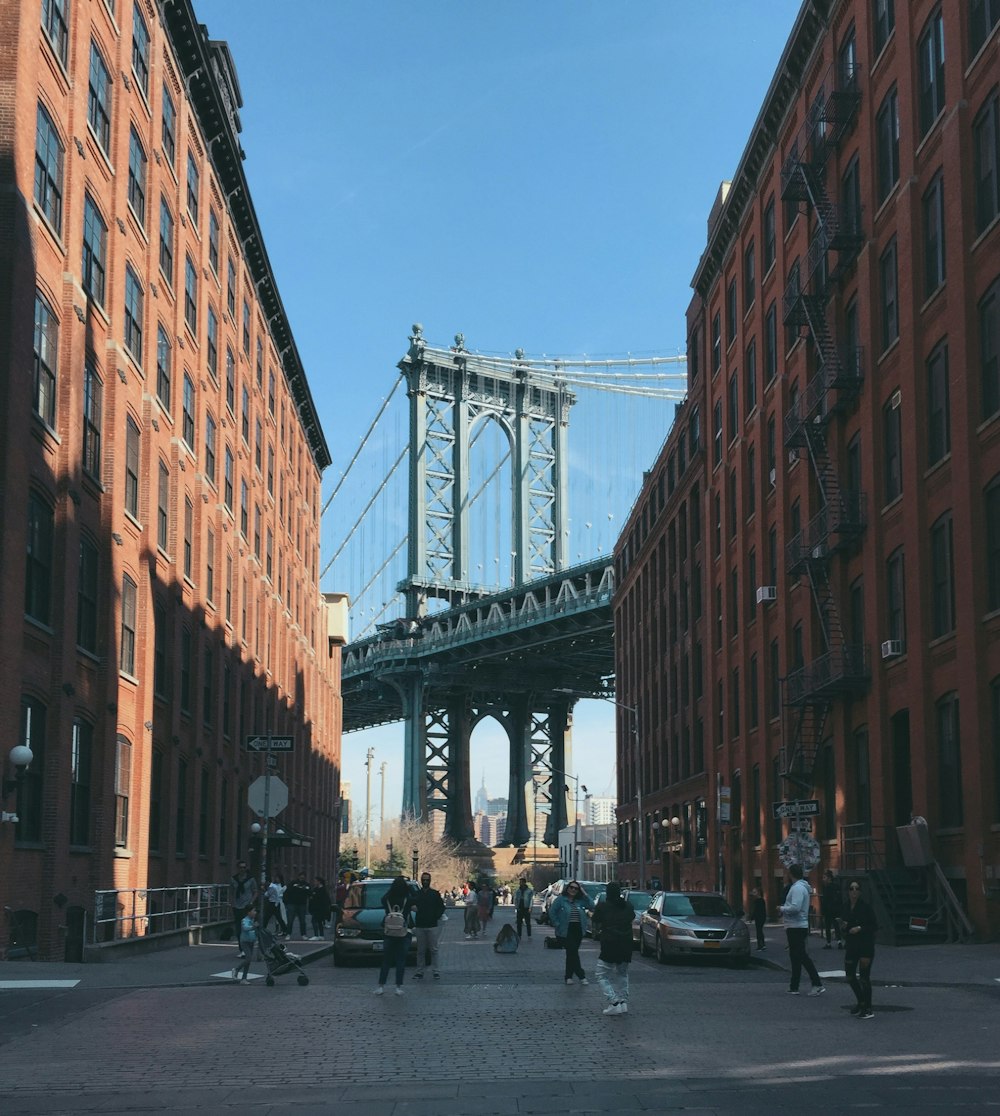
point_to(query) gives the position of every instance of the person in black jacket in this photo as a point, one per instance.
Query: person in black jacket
(858, 925)
(297, 903)
(320, 907)
(428, 907)
(612, 921)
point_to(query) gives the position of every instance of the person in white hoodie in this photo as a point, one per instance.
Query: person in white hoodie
(795, 915)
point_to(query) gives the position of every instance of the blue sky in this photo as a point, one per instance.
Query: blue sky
(535, 174)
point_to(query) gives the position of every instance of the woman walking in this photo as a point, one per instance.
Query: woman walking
(396, 901)
(858, 924)
(567, 920)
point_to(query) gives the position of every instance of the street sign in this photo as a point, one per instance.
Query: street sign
(278, 743)
(802, 825)
(277, 796)
(799, 848)
(804, 808)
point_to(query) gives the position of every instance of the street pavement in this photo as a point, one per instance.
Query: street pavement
(169, 1032)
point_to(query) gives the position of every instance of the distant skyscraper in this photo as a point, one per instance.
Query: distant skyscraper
(599, 810)
(482, 804)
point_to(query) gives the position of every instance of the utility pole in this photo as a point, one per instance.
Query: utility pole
(368, 808)
(381, 804)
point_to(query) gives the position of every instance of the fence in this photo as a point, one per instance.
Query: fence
(137, 912)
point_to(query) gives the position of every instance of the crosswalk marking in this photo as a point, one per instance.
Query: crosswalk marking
(19, 984)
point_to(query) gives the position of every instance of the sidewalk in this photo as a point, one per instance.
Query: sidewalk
(902, 966)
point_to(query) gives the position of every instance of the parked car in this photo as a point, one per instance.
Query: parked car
(693, 924)
(640, 901)
(358, 937)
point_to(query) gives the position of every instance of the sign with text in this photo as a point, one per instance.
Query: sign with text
(803, 808)
(278, 743)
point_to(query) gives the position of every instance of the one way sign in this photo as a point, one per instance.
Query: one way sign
(803, 808)
(278, 743)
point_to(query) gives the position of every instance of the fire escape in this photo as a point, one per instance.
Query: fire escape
(841, 669)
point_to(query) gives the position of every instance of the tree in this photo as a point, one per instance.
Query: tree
(412, 839)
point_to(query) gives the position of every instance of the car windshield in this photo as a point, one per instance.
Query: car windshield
(368, 895)
(640, 901)
(697, 906)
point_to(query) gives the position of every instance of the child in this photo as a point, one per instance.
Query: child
(248, 942)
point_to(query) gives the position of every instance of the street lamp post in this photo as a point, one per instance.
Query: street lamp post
(20, 758)
(415, 854)
(368, 808)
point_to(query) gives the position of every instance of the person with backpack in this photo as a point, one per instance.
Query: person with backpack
(396, 903)
(612, 921)
(242, 897)
(523, 897)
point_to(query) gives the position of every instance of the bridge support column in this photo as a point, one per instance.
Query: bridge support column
(411, 690)
(458, 813)
(559, 755)
(518, 831)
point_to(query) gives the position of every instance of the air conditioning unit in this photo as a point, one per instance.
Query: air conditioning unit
(772, 476)
(892, 648)
(766, 593)
(819, 551)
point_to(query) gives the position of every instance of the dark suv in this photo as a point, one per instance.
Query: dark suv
(358, 937)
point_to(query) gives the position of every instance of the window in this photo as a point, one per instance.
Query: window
(749, 277)
(769, 235)
(717, 432)
(99, 99)
(949, 762)
(128, 625)
(230, 380)
(753, 704)
(847, 61)
(224, 791)
(889, 294)
(137, 177)
(188, 537)
(95, 239)
(246, 328)
(93, 394)
(210, 565)
(30, 784)
(79, 790)
(938, 410)
(270, 469)
(38, 570)
(133, 314)
(269, 555)
(984, 15)
(123, 781)
(231, 287)
(210, 448)
(163, 508)
(203, 800)
(895, 601)
(86, 598)
(930, 71)
(245, 424)
(887, 145)
(989, 349)
(156, 802)
(885, 21)
(213, 240)
(893, 445)
(48, 169)
(850, 193)
(750, 379)
(772, 451)
(131, 467)
(228, 479)
(46, 355)
(734, 703)
(166, 242)
(193, 187)
(942, 578)
(733, 412)
(244, 509)
(168, 127)
(207, 690)
(258, 445)
(751, 481)
(188, 425)
(229, 608)
(731, 312)
(212, 344)
(260, 365)
(256, 531)
(270, 391)
(164, 358)
(770, 344)
(933, 211)
(180, 814)
(185, 695)
(140, 50)
(55, 23)
(190, 295)
(986, 160)
(774, 680)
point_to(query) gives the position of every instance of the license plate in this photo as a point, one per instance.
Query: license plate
(711, 945)
(377, 947)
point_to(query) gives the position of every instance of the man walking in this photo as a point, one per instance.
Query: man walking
(428, 907)
(242, 897)
(795, 915)
(522, 906)
(297, 903)
(612, 921)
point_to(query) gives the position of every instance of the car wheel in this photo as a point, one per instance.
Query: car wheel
(661, 953)
(269, 981)
(643, 951)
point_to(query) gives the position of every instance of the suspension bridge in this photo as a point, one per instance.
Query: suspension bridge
(478, 564)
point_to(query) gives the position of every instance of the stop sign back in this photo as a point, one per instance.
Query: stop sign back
(277, 800)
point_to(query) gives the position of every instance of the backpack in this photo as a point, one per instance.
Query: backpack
(394, 925)
(507, 940)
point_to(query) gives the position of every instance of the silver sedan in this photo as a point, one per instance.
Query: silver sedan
(693, 924)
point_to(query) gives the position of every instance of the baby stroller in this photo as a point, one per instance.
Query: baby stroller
(277, 959)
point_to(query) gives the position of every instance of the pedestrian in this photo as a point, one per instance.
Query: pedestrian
(758, 916)
(297, 903)
(829, 909)
(858, 924)
(612, 921)
(428, 907)
(396, 936)
(320, 907)
(273, 894)
(485, 901)
(795, 915)
(248, 943)
(522, 906)
(471, 911)
(566, 916)
(242, 896)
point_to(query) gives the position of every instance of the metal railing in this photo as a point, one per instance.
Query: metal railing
(136, 912)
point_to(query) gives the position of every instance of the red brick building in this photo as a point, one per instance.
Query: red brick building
(844, 355)
(160, 464)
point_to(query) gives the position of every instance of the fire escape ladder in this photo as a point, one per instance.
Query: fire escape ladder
(799, 759)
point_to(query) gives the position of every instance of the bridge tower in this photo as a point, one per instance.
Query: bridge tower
(451, 391)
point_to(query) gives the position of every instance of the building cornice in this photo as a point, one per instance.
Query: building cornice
(210, 81)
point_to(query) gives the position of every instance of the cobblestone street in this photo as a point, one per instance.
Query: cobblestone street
(502, 1034)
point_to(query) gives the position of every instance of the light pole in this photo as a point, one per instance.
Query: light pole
(368, 808)
(633, 710)
(415, 855)
(381, 800)
(20, 758)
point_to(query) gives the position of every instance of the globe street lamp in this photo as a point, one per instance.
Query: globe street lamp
(20, 757)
